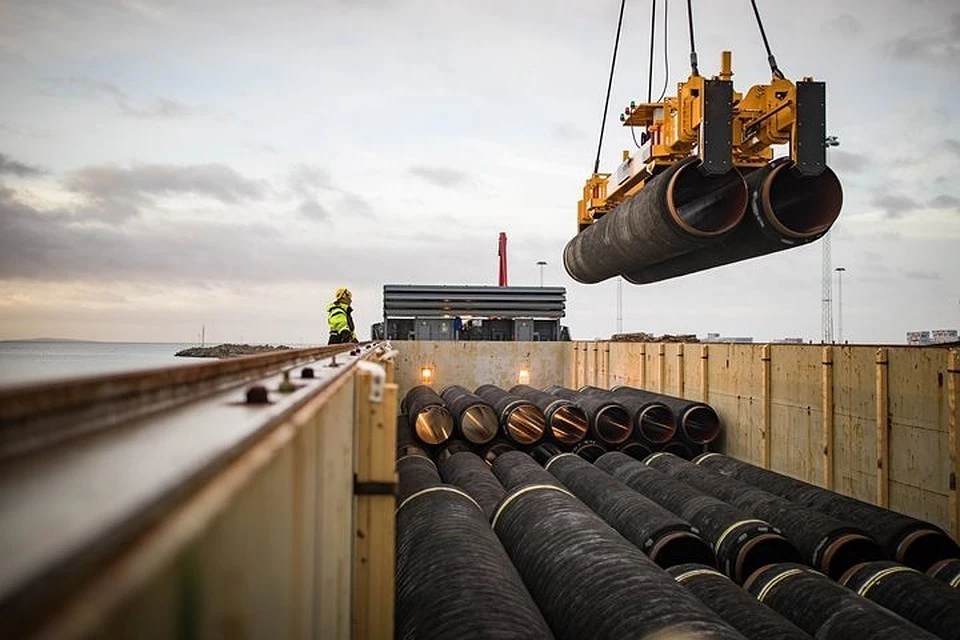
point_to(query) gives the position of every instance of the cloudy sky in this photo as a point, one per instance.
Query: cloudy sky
(165, 165)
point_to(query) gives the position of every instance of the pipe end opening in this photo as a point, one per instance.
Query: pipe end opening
(525, 424)
(706, 206)
(682, 547)
(434, 425)
(479, 424)
(925, 548)
(762, 551)
(569, 424)
(847, 552)
(614, 424)
(701, 424)
(801, 206)
(657, 424)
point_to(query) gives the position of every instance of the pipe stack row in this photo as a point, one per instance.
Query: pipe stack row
(589, 421)
(684, 221)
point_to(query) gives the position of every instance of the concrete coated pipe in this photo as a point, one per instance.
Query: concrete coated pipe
(678, 211)
(520, 420)
(741, 542)
(475, 418)
(907, 540)
(697, 421)
(610, 422)
(566, 421)
(469, 472)
(653, 421)
(786, 210)
(946, 571)
(828, 544)
(427, 415)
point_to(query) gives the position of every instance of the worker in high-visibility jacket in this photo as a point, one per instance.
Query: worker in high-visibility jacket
(340, 318)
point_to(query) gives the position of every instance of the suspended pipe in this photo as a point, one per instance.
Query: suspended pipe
(469, 472)
(827, 544)
(741, 542)
(946, 571)
(678, 211)
(739, 609)
(824, 609)
(653, 421)
(475, 419)
(610, 422)
(427, 415)
(928, 603)
(520, 420)
(567, 422)
(665, 538)
(907, 540)
(786, 210)
(588, 580)
(478, 588)
(634, 449)
(495, 449)
(697, 421)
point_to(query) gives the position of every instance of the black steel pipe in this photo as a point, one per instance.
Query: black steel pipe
(567, 422)
(786, 210)
(928, 603)
(407, 442)
(416, 473)
(515, 469)
(946, 571)
(589, 450)
(520, 420)
(678, 211)
(653, 421)
(827, 544)
(610, 422)
(475, 419)
(469, 472)
(427, 415)
(679, 448)
(697, 421)
(741, 543)
(588, 580)
(451, 447)
(478, 593)
(907, 540)
(544, 451)
(667, 539)
(634, 449)
(743, 612)
(824, 609)
(493, 450)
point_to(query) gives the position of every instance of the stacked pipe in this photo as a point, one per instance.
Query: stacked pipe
(910, 594)
(907, 540)
(520, 420)
(653, 421)
(743, 612)
(741, 542)
(427, 415)
(587, 579)
(826, 610)
(678, 211)
(478, 590)
(469, 472)
(827, 544)
(786, 210)
(697, 422)
(667, 539)
(946, 571)
(610, 422)
(474, 418)
(566, 421)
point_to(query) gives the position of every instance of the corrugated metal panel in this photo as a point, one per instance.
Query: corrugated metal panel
(484, 302)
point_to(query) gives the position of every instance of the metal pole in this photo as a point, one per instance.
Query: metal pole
(541, 264)
(619, 305)
(840, 271)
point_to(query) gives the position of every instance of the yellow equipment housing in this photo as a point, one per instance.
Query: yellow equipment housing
(729, 130)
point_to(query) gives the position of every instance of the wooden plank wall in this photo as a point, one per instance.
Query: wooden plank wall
(876, 423)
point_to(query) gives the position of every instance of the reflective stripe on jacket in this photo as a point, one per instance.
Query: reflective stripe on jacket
(338, 317)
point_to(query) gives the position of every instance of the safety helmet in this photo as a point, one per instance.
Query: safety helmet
(343, 294)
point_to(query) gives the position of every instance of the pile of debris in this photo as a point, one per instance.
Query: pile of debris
(649, 337)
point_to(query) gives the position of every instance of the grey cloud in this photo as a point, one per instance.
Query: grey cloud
(313, 210)
(941, 44)
(9, 166)
(353, 205)
(952, 145)
(845, 24)
(115, 193)
(305, 180)
(157, 107)
(944, 201)
(566, 131)
(441, 176)
(895, 205)
(848, 162)
(921, 275)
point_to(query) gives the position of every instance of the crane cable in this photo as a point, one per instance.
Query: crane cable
(666, 59)
(606, 102)
(693, 45)
(766, 43)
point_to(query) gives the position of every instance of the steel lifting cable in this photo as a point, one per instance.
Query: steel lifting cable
(766, 43)
(606, 102)
(693, 46)
(653, 35)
